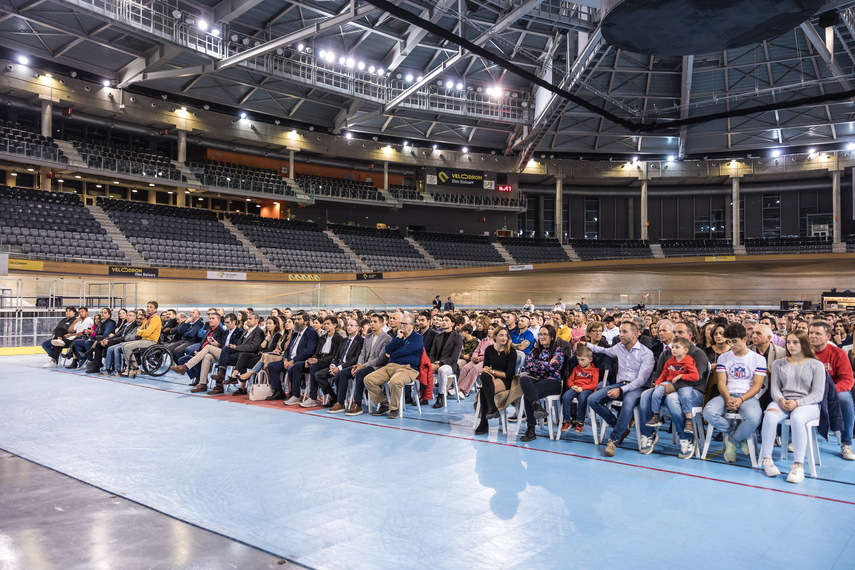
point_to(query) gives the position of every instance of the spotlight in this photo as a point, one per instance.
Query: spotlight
(206, 107)
(215, 32)
(459, 86)
(350, 62)
(280, 51)
(434, 147)
(245, 41)
(300, 47)
(202, 25)
(465, 149)
(850, 146)
(233, 37)
(670, 158)
(276, 122)
(342, 60)
(398, 76)
(133, 99)
(449, 84)
(243, 115)
(176, 14)
(409, 77)
(37, 75)
(348, 136)
(330, 56)
(776, 153)
(23, 60)
(360, 65)
(419, 78)
(380, 71)
(371, 69)
(73, 74)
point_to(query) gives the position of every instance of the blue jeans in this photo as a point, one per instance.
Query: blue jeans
(599, 401)
(80, 348)
(848, 411)
(581, 404)
(47, 346)
(114, 358)
(750, 411)
(679, 404)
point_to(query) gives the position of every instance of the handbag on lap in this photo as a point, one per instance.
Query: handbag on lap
(260, 389)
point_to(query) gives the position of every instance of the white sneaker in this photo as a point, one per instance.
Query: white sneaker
(49, 364)
(796, 475)
(770, 468)
(687, 448)
(729, 450)
(846, 452)
(647, 443)
(308, 403)
(292, 401)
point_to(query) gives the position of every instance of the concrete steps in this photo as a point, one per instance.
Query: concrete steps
(117, 236)
(739, 250)
(356, 259)
(425, 254)
(571, 253)
(504, 253)
(268, 264)
(657, 251)
(74, 158)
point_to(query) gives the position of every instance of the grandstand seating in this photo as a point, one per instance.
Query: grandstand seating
(168, 236)
(15, 139)
(381, 250)
(689, 247)
(127, 159)
(459, 250)
(406, 193)
(535, 250)
(338, 188)
(295, 246)
(494, 201)
(54, 226)
(755, 246)
(240, 177)
(596, 249)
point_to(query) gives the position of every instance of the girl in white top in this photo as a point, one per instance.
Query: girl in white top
(797, 388)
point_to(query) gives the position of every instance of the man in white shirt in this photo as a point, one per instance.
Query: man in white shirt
(740, 374)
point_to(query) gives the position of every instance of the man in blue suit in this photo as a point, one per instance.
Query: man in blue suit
(304, 342)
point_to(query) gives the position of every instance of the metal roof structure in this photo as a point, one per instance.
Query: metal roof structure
(522, 77)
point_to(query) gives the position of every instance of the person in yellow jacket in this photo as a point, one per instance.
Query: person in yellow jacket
(561, 327)
(148, 333)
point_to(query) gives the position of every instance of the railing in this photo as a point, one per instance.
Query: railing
(156, 19)
(127, 166)
(243, 185)
(31, 150)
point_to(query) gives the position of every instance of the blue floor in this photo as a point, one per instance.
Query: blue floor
(329, 491)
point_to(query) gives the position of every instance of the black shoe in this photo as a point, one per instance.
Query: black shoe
(424, 402)
(240, 392)
(381, 411)
(92, 370)
(277, 395)
(539, 412)
(529, 434)
(482, 428)
(440, 401)
(493, 413)
(72, 365)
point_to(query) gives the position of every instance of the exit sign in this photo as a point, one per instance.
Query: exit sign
(505, 188)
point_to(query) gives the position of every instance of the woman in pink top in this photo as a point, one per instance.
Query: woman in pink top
(470, 372)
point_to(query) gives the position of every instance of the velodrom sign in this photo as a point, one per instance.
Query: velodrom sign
(469, 178)
(133, 271)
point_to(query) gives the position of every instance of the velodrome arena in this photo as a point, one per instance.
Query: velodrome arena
(427, 284)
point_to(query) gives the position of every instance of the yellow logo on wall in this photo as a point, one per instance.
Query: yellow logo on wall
(26, 265)
(443, 176)
(303, 277)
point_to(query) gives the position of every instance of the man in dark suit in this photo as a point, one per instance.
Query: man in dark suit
(192, 364)
(437, 304)
(304, 342)
(449, 306)
(346, 355)
(249, 342)
(328, 343)
(371, 357)
(443, 355)
(186, 334)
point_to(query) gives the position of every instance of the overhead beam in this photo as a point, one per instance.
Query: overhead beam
(353, 13)
(341, 118)
(228, 10)
(414, 35)
(685, 99)
(819, 45)
(134, 71)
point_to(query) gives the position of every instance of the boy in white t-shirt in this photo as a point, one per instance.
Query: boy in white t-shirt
(740, 374)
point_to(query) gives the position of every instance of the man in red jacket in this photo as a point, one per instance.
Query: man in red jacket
(838, 366)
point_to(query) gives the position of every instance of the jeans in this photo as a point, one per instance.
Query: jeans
(47, 346)
(657, 397)
(599, 401)
(749, 410)
(80, 347)
(798, 433)
(114, 359)
(848, 411)
(358, 384)
(679, 404)
(581, 404)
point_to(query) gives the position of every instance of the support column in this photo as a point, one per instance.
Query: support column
(644, 234)
(835, 203)
(734, 227)
(559, 206)
(45, 181)
(385, 176)
(541, 207)
(291, 173)
(182, 145)
(152, 196)
(180, 198)
(47, 118)
(11, 181)
(630, 216)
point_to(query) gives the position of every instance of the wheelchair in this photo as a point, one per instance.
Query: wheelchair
(154, 360)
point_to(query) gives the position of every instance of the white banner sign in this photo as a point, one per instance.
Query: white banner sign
(520, 267)
(227, 275)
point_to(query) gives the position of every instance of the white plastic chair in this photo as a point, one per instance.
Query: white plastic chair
(752, 441)
(503, 414)
(697, 430)
(813, 458)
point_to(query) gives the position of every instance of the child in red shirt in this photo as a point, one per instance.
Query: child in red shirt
(680, 366)
(581, 383)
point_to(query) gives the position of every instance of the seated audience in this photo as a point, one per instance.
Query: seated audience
(840, 369)
(404, 353)
(499, 367)
(443, 356)
(581, 383)
(540, 377)
(371, 357)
